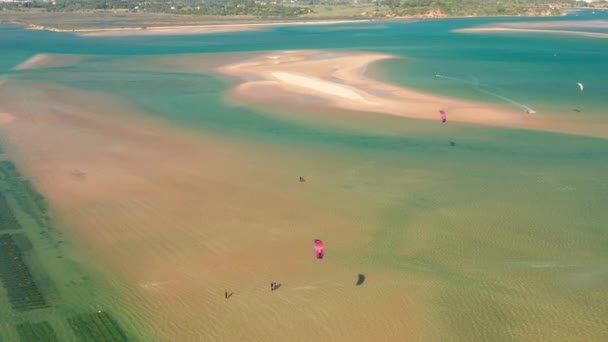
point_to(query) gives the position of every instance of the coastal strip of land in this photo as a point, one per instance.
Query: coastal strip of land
(507, 29)
(337, 79)
(188, 29)
(553, 27)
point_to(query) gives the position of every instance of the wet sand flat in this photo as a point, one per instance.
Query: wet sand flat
(181, 220)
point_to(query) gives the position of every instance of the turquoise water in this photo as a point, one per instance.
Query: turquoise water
(532, 70)
(493, 204)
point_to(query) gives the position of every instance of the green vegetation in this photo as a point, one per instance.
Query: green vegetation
(16, 277)
(308, 8)
(36, 332)
(473, 7)
(8, 170)
(28, 199)
(97, 326)
(364, 10)
(7, 218)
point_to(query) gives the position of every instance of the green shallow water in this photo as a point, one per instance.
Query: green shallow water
(507, 226)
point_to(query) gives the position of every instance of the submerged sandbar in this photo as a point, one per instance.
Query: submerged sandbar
(567, 27)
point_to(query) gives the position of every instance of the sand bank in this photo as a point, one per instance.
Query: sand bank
(508, 29)
(554, 24)
(553, 27)
(47, 60)
(189, 29)
(316, 84)
(337, 78)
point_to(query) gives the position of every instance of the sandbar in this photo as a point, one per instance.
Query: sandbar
(507, 29)
(556, 24)
(48, 60)
(553, 27)
(317, 84)
(188, 29)
(338, 79)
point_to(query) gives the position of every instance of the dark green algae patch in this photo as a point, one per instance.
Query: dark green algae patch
(31, 307)
(99, 326)
(40, 331)
(16, 277)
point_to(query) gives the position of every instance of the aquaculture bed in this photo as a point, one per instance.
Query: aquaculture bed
(8, 170)
(98, 326)
(16, 277)
(28, 199)
(36, 332)
(7, 218)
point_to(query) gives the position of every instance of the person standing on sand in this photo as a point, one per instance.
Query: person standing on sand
(226, 294)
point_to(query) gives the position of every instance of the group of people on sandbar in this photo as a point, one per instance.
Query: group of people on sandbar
(274, 286)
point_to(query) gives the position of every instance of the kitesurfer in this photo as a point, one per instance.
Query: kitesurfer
(302, 179)
(319, 249)
(444, 116)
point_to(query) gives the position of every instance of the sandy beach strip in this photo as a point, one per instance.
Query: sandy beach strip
(337, 79)
(189, 29)
(526, 30)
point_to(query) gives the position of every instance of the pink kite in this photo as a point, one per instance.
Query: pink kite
(319, 249)
(444, 115)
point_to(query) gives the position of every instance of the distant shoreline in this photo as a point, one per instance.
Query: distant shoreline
(188, 29)
(201, 25)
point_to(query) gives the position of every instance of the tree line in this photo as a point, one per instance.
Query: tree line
(296, 8)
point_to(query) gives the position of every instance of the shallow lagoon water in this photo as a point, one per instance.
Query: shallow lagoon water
(488, 233)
